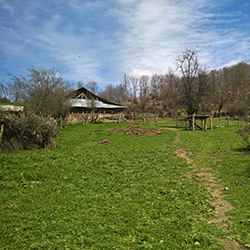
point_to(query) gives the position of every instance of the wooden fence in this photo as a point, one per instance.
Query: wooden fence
(133, 118)
(219, 121)
(140, 118)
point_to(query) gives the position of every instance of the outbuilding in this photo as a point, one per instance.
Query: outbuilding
(82, 100)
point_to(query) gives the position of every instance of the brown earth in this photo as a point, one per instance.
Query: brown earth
(135, 130)
(103, 142)
(214, 188)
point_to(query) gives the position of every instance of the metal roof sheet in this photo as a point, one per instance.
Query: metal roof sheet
(84, 103)
(11, 108)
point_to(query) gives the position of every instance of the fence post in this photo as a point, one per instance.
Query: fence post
(228, 120)
(132, 117)
(211, 122)
(205, 125)
(193, 121)
(104, 120)
(120, 114)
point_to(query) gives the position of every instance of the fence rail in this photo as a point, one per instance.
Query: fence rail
(140, 118)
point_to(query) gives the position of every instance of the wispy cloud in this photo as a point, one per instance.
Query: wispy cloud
(101, 40)
(157, 31)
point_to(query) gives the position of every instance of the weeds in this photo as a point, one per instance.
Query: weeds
(245, 134)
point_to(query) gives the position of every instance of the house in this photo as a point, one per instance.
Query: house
(82, 100)
(11, 108)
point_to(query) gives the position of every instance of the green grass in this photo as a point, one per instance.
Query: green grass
(130, 194)
(231, 164)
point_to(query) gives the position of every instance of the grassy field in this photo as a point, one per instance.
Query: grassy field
(132, 193)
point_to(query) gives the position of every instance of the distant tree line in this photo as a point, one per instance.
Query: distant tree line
(191, 88)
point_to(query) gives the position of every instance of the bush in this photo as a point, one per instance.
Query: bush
(25, 133)
(245, 134)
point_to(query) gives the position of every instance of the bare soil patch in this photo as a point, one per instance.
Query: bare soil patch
(135, 130)
(103, 142)
(214, 188)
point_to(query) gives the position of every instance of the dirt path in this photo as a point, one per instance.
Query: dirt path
(211, 183)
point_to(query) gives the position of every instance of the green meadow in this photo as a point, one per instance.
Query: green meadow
(132, 193)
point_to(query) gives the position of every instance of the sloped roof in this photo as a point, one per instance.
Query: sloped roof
(85, 99)
(11, 108)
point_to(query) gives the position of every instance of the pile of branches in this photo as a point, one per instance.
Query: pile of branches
(245, 134)
(27, 132)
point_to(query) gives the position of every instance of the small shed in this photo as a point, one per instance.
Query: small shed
(192, 122)
(82, 100)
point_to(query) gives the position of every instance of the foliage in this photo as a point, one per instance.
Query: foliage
(245, 134)
(47, 92)
(43, 91)
(29, 132)
(191, 86)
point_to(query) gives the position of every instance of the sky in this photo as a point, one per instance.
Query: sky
(101, 40)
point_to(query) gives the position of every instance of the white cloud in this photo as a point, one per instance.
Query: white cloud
(155, 32)
(102, 40)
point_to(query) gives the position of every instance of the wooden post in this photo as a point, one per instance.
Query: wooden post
(205, 125)
(228, 120)
(120, 114)
(211, 122)
(104, 120)
(132, 117)
(193, 121)
(1, 132)
(156, 120)
(82, 115)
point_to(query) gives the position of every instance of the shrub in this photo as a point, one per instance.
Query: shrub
(30, 132)
(245, 134)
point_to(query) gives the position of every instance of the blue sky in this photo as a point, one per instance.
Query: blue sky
(101, 40)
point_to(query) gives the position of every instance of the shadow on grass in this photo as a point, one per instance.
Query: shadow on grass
(242, 150)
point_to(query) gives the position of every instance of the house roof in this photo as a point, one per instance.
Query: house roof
(83, 98)
(11, 108)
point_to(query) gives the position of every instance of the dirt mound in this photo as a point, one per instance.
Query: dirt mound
(103, 142)
(135, 130)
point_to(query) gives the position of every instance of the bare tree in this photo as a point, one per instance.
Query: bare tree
(92, 86)
(17, 88)
(80, 84)
(144, 87)
(4, 93)
(193, 84)
(46, 92)
(109, 93)
(134, 82)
